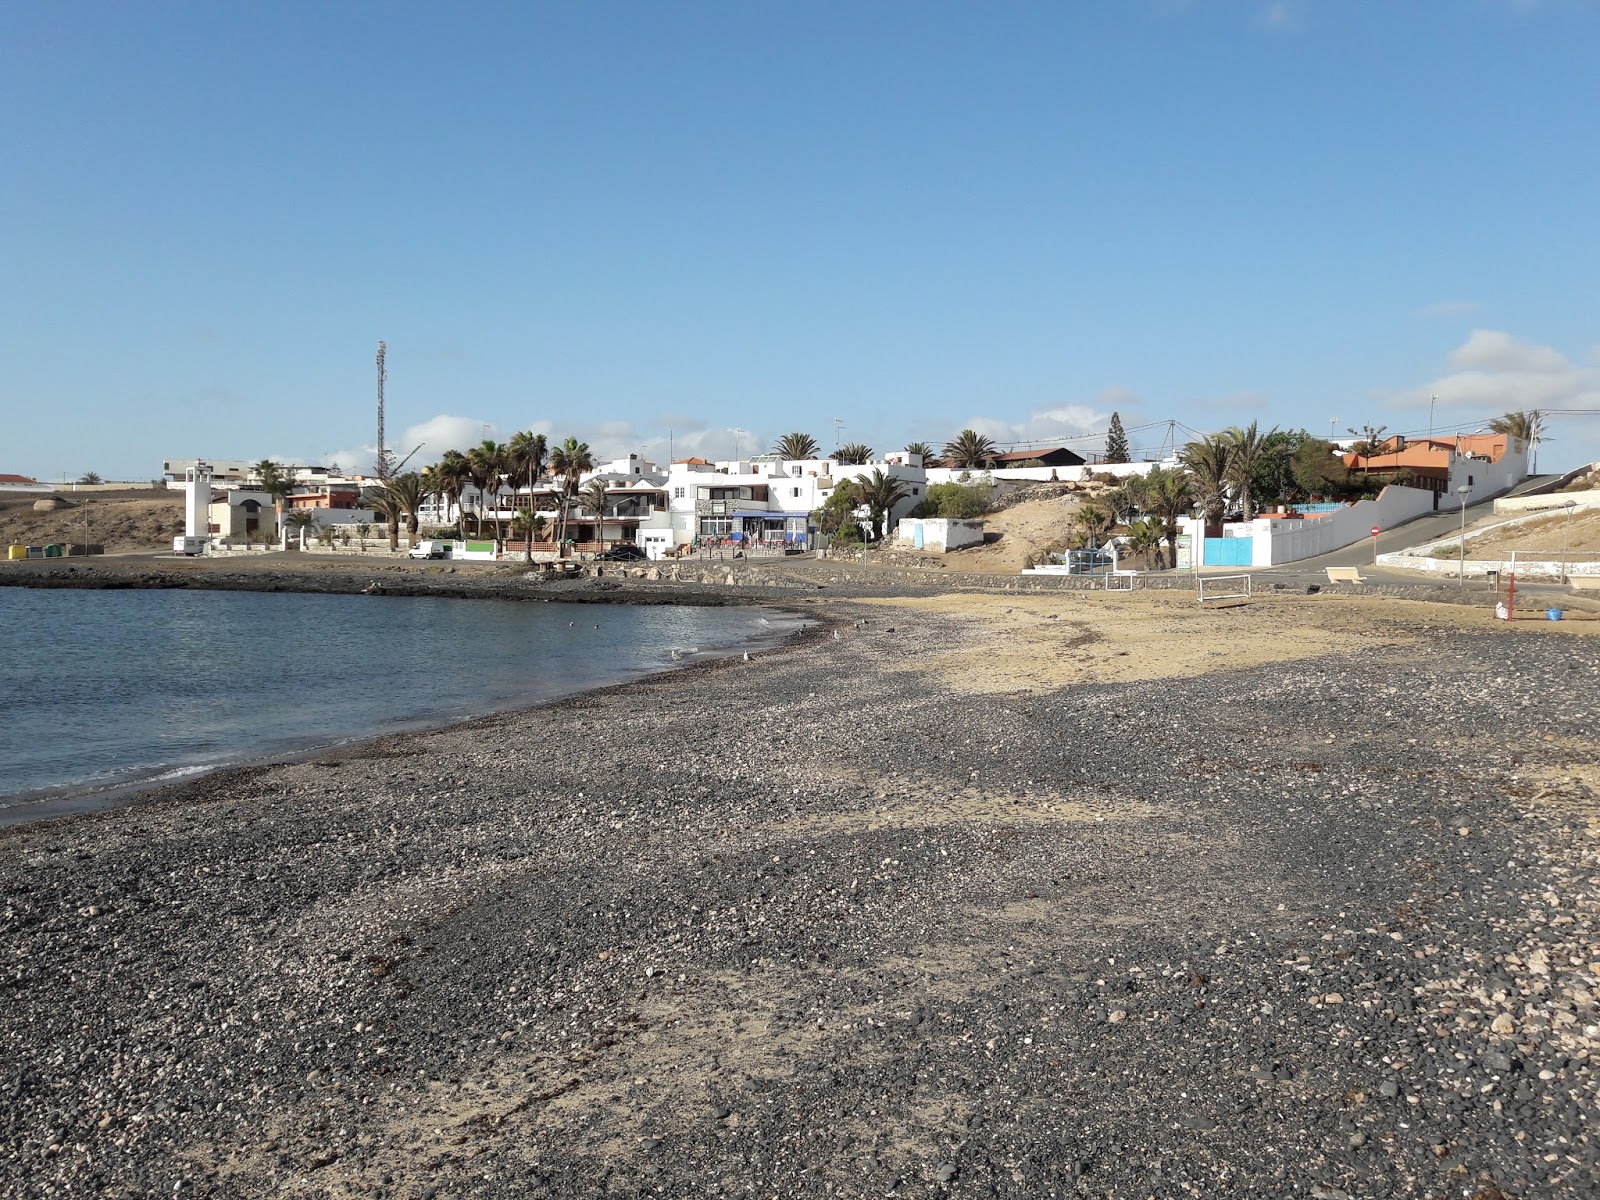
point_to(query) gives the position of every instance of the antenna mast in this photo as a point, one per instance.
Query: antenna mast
(381, 464)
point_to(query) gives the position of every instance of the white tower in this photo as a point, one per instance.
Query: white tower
(197, 501)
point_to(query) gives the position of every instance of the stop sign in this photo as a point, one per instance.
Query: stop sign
(1374, 531)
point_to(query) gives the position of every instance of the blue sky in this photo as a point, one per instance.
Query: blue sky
(635, 222)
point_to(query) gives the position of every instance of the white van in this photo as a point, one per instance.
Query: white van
(432, 549)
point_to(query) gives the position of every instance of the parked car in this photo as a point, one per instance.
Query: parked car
(625, 552)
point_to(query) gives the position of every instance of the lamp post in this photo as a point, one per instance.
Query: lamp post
(1566, 538)
(1461, 570)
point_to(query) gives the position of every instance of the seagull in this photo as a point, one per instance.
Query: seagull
(747, 656)
(676, 654)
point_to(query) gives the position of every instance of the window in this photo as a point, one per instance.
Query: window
(795, 471)
(677, 493)
(795, 492)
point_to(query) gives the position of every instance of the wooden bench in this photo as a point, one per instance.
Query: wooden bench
(1345, 575)
(1584, 583)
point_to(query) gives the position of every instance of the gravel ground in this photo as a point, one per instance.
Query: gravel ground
(817, 925)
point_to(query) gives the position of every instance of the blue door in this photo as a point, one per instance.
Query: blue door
(1228, 552)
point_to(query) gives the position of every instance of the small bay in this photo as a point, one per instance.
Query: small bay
(104, 689)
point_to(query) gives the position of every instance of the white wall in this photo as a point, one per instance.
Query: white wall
(1277, 541)
(1548, 501)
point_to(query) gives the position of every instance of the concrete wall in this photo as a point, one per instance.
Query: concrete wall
(1547, 502)
(1026, 475)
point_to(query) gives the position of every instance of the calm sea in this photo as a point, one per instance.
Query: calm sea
(103, 689)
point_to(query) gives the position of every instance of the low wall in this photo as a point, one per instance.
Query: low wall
(1548, 501)
(1277, 540)
(1478, 568)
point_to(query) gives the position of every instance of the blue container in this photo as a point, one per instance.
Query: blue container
(1553, 614)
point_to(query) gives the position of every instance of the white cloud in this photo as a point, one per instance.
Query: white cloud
(1445, 309)
(1497, 372)
(1494, 350)
(1063, 423)
(431, 438)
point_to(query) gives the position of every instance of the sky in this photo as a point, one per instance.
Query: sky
(689, 228)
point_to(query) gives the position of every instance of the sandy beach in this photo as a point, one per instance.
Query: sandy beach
(967, 894)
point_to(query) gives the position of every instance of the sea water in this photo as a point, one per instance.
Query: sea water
(103, 689)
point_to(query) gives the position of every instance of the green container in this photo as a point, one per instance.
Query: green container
(54, 550)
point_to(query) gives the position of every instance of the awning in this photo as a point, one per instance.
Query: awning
(771, 516)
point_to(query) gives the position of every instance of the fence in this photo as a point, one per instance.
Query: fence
(1121, 581)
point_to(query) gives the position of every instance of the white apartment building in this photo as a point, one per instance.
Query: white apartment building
(765, 500)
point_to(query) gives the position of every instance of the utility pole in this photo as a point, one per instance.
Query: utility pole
(381, 464)
(838, 424)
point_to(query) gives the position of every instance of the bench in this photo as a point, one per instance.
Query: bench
(1345, 575)
(1584, 583)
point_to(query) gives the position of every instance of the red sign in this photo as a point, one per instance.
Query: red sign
(1374, 531)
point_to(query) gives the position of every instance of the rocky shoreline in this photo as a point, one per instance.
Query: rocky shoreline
(829, 923)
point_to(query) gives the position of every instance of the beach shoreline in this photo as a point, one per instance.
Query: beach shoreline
(1001, 895)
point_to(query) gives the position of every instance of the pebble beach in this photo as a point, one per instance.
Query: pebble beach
(952, 895)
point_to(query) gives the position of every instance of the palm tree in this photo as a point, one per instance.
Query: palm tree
(1249, 451)
(1096, 520)
(594, 497)
(1121, 501)
(275, 482)
(796, 446)
(1209, 463)
(408, 490)
(921, 448)
(300, 520)
(853, 454)
(569, 460)
(525, 457)
(880, 493)
(454, 472)
(1171, 495)
(970, 449)
(1144, 535)
(1527, 427)
(383, 501)
(487, 461)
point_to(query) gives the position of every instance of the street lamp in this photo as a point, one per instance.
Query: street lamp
(1566, 538)
(1461, 571)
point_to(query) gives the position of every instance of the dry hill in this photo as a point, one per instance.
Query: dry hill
(133, 520)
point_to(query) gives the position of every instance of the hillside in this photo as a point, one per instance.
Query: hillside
(120, 521)
(1026, 529)
(1546, 537)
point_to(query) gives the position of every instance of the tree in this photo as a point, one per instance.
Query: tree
(1170, 495)
(300, 520)
(525, 458)
(387, 505)
(363, 532)
(1208, 463)
(1120, 500)
(838, 512)
(453, 473)
(1317, 467)
(487, 463)
(853, 454)
(1527, 427)
(569, 461)
(1116, 441)
(90, 477)
(1095, 520)
(1249, 450)
(408, 490)
(796, 446)
(276, 482)
(1369, 441)
(956, 501)
(594, 497)
(970, 449)
(922, 448)
(1144, 535)
(880, 493)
